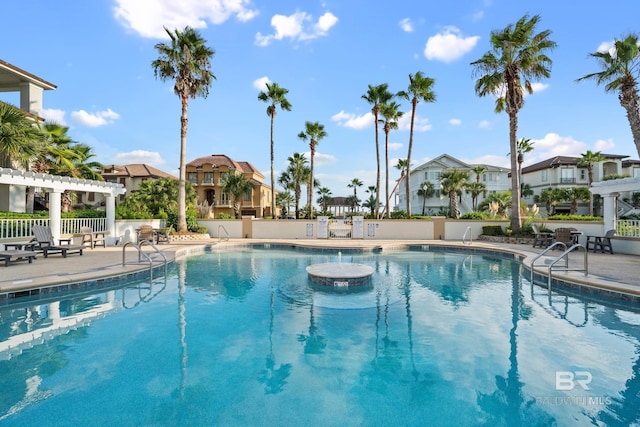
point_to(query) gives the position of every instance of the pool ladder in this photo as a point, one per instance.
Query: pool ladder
(564, 256)
(149, 256)
(467, 235)
(226, 233)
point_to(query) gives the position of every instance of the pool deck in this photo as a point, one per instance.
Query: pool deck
(616, 273)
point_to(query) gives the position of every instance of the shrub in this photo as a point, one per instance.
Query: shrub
(399, 214)
(224, 216)
(492, 230)
(474, 215)
(567, 217)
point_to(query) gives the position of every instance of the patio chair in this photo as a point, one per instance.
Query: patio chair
(541, 239)
(564, 235)
(46, 244)
(601, 243)
(145, 232)
(93, 238)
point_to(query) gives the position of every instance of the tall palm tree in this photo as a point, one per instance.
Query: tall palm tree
(523, 146)
(453, 181)
(401, 165)
(620, 67)
(420, 88)
(325, 197)
(475, 189)
(426, 190)
(391, 114)
(479, 170)
(236, 184)
(292, 178)
(588, 159)
(574, 195)
(314, 132)
(376, 96)
(276, 97)
(517, 58)
(187, 61)
(355, 183)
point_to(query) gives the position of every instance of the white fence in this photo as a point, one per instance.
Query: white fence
(628, 228)
(21, 228)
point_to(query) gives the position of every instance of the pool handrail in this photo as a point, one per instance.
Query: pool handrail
(547, 249)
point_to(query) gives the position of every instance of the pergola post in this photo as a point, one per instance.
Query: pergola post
(55, 198)
(111, 219)
(610, 210)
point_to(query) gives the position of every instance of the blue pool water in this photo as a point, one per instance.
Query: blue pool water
(243, 339)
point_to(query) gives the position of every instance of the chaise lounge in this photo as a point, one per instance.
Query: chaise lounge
(16, 255)
(46, 244)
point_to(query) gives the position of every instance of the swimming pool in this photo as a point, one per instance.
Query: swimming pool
(242, 338)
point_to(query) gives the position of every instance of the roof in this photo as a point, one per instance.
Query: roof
(136, 170)
(557, 161)
(11, 77)
(217, 160)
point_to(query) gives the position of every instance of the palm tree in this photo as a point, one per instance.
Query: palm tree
(453, 182)
(376, 96)
(314, 132)
(292, 178)
(391, 113)
(426, 190)
(501, 200)
(325, 197)
(574, 195)
(517, 58)
(620, 67)
(475, 189)
(478, 170)
(523, 146)
(355, 183)
(401, 165)
(284, 199)
(551, 197)
(420, 88)
(588, 159)
(236, 184)
(187, 60)
(19, 139)
(276, 97)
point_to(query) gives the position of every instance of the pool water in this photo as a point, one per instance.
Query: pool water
(243, 338)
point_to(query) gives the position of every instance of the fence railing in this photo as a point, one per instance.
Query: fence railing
(21, 228)
(628, 228)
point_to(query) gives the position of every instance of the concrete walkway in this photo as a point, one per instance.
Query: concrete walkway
(620, 273)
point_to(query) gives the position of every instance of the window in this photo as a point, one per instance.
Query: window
(222, 175)
(247, 195)
(434, 175)
(193, 177)
(208, 178)
(92, 197)
(636, 172)
(437, 194)
(566, 176)
(583, 174)
(544, 176)
(224, 198)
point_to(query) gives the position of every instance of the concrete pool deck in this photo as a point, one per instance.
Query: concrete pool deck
(616, 273)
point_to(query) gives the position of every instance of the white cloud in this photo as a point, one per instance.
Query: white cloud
(420, 124)
(55, 116)
(603, 145)
(484, 124)
(298, 26)
(449, 45)
(395, 146)
(538, 87)
(350, 120)
(139, 156)
(261, 83)
(555, 145)
(455, 122)
(490, 159)
(406, 25)
(321, 159)
(101, 118)
(477, 16)
(147, 17)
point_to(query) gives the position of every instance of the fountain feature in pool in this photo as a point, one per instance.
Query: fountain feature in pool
(340, 274)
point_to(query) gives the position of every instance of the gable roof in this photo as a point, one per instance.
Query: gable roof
(135, 170)
(558, 161)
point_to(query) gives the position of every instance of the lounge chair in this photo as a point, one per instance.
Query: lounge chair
(16, 255)
(541, 239)
(46, 244)
(564, 235)
(93, 238)
(145, 232)
(601, 243)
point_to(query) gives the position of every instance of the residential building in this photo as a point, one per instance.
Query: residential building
(566, 172)
(31, 89)
(495, 179)
(207, 173)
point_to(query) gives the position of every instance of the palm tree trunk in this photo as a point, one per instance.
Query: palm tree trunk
(386, 171)
(407, 190)
(182, 194)
(515, 181)
(378, 167)
(629, 100)
(453, 198)
(273, 180)
(312, 146)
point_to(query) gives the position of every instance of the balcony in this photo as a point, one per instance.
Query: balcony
(567, 180)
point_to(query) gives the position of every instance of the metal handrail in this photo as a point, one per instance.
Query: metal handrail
(566, 258)
(467, 232)
(142, 253)
(226, 239)
(533, 262)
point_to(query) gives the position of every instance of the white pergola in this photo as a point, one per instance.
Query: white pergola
(610, 191)
(55, 185)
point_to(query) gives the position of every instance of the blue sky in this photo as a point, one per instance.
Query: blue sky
(99, 55)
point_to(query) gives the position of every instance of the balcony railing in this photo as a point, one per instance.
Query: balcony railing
(567, 180)
(628, 228)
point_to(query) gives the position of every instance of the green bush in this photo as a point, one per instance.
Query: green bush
(567, 217)
(399, 214)
(474, 215)
(492, 230)
(224, 216)
(192, 218)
